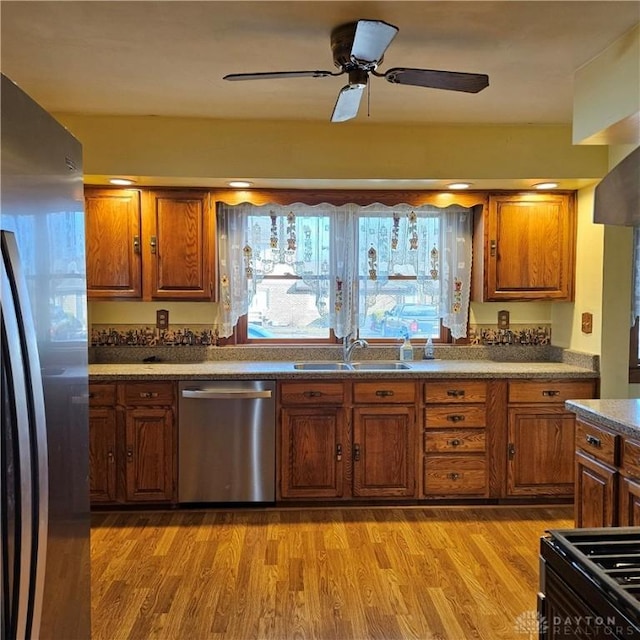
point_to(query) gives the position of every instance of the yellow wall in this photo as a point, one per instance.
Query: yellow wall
(204, 149)
(567, 317)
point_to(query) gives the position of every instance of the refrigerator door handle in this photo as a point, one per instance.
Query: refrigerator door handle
(31, 425)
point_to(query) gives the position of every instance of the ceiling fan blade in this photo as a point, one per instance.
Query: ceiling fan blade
(274, 75)
(348, 102)
(449, 80)
(371, 39)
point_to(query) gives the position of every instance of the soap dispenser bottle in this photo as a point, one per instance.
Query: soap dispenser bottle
(428, 350)
(406, 348)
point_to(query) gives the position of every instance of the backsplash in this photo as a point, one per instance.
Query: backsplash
(199, 335)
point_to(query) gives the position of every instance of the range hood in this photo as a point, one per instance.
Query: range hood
(617, 195)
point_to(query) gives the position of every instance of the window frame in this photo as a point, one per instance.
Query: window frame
(286, 197)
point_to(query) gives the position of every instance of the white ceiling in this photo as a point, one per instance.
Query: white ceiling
(168, 58)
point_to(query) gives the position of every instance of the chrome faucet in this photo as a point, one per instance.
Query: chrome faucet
(348, 345)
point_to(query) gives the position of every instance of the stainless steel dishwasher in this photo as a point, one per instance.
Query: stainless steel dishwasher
(227, 433)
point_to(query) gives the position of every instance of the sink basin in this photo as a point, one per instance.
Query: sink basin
(322, 366)
(380, 366)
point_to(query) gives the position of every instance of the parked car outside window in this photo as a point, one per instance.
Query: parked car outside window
(418, 320)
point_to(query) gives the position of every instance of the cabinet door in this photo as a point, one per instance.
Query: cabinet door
(102, 454)
(113, 243)
(149, 442)
(596, 490)
(179, 243)
(629, 502)
(531, 247)
(384, 451)
(312, 452)
(541, 452)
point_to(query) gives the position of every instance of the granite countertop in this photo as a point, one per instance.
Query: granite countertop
(622, 416)
(271, 370)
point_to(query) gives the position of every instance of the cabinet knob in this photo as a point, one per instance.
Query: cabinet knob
(154, 244)
(110, 456)
(339, 452)
(456, 442)
(492, 248)
(455, 417)
(136, 244)
(129, 455)
(453, 475)
(511, 450)
(356, 451)
(312, 394)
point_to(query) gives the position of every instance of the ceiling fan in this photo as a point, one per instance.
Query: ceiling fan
(358, 49)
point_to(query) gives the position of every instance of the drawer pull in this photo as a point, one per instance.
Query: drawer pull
(456, 417)
(593, 441)
(455, 393)
(550, 392)
(312, 394)
(453, 476)
(148, 394)
(456, 442)
(384, 393)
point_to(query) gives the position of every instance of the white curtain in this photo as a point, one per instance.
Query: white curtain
(346, 255)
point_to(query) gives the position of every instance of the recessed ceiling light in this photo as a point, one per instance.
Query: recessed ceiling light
(459, 185)
(545, 185)
(240, 184)
(121, 181)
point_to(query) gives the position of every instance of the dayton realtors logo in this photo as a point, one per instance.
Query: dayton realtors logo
(533, 624)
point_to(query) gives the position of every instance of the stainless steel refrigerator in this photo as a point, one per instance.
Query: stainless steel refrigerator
(44, 495)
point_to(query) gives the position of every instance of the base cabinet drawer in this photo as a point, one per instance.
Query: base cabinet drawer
(454, 440)
(455, 476)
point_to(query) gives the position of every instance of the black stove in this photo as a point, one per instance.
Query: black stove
(590, 583)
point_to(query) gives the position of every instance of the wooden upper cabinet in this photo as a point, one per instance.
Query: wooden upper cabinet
(179, 234)
(525, 248)
(113, 235)
(149, 244)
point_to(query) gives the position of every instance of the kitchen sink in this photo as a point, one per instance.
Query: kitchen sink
(380, 366)
(322, 366)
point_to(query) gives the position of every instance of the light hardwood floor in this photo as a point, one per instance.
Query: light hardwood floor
(345, 574)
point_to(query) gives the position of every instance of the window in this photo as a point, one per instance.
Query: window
(313, 273)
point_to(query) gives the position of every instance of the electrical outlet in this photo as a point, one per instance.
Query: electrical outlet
(162, 319)
(503, 319)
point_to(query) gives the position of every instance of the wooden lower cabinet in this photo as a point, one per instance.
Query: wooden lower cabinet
(132, 443)
(541, 437)
(455, 439)
(629, 509)
(383, 452)
(312, 452)
(149, 444)
(540, 452)
(102, 454)
(596, 491)
(333, 448)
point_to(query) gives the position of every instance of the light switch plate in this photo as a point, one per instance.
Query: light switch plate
(587, 323)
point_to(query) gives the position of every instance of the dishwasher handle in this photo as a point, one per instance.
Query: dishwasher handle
(226, 394)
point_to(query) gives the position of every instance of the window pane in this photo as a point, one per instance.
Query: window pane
(285, 309)
(395, 297)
